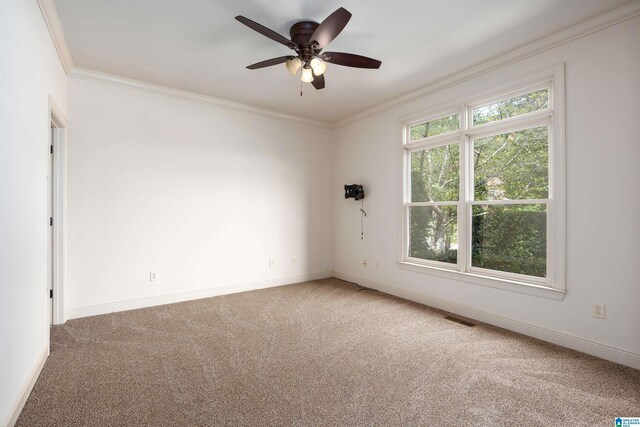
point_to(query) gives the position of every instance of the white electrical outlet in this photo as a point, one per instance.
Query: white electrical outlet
(325, 267)
(364, 263)
(376, 265)
(272, 262)
(294, 261)
(153, 276)
(597, 310)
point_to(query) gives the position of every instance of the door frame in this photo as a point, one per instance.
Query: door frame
(59, 141)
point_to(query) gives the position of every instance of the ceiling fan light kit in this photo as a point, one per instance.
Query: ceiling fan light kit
(307, 75)
(318, 66)
(293, 65)
(308, 39)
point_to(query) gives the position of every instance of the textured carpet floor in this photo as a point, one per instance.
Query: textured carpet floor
(316, 353)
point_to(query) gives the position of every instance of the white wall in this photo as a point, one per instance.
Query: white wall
(603, 201)
(205, 196)
(201, 194)
(30, 72)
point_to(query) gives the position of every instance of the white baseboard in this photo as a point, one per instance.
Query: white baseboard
(93, 310)
(13, 413)
(565, 340)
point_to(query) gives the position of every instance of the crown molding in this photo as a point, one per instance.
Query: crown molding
(52, 20)
(140, 86)
(601, 22)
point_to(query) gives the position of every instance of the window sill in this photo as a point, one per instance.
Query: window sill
(492, 282)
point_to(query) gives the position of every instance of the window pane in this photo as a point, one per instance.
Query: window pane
(512, 165)
(510, 238)
(435, 127)
(433, 233)
(521, 104)
(435, 174)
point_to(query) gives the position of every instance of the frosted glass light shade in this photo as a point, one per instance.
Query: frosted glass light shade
(318, 66)
(293, 65)
(307, 75)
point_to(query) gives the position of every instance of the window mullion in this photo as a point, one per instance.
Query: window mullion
(406, 232)
(507, 202)
(469, 193)
(513, 124)
(406, 188)
(433, 142)
(469, 197)
(550, 243)
(463, 230)
(447, 203)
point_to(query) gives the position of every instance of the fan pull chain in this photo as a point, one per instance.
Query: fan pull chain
(300, 87)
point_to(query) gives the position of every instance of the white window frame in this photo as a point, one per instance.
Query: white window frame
(553, 285)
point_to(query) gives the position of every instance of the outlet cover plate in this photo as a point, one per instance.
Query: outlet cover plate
(598, 311)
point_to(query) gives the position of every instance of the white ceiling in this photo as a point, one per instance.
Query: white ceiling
(197, 45)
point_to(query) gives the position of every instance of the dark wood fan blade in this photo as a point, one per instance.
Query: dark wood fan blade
(351, 60)
(265, 31)
(330, 27)
(318, 82)
(269, 62)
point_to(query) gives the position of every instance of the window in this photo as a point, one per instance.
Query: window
(435, 127)
(483, 190)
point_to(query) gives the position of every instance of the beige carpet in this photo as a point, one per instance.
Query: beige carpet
(317, 353)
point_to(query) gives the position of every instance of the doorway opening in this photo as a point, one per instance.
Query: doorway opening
(56, 147)
(50, 178)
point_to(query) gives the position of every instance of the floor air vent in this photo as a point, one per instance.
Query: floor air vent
(462, 322)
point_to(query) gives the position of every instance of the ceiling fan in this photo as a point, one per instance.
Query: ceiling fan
(308, 38)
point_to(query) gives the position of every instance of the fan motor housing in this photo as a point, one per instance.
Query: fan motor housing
(302, 31)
